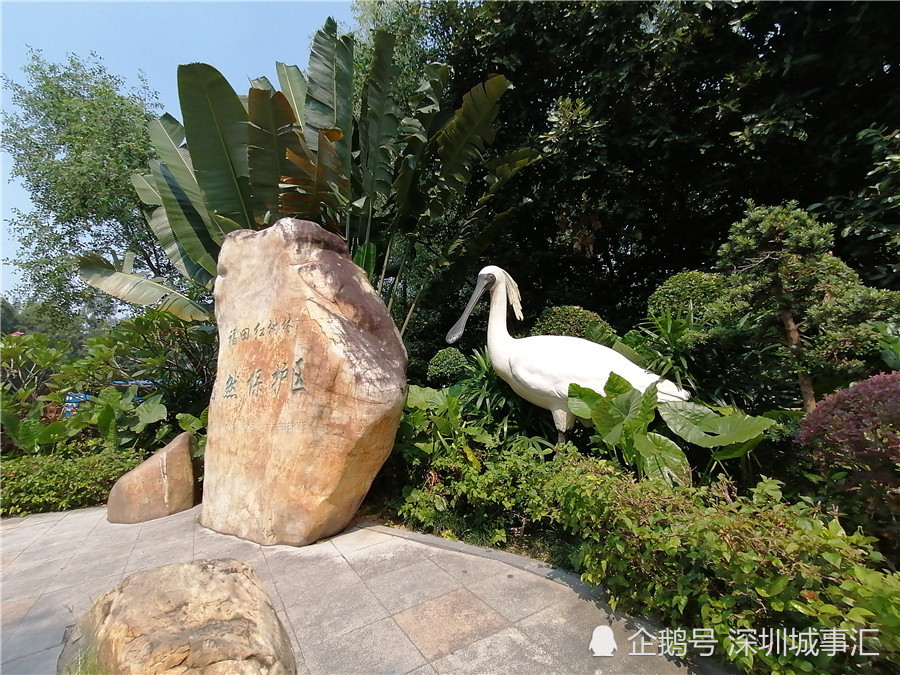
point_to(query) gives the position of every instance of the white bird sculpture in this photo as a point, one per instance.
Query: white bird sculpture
(541, 368)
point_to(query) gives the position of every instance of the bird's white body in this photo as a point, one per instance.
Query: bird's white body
(541, 368)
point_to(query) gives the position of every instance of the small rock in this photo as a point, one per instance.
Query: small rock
(159, 486)
(209, 616)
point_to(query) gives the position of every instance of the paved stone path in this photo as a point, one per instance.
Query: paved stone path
(372, 599)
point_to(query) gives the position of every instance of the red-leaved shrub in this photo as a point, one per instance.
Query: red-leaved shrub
(854, 439)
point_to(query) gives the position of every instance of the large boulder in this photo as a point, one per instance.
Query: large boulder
(159, 486)
(309, 390)
(209, 616)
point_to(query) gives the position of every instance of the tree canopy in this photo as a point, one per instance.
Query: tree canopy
(75, 136)
(658, 121)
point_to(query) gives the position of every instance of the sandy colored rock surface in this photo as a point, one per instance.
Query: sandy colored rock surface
(309, 391)
(159, 486)
(210, 616)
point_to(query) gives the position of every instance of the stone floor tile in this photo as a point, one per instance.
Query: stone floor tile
(516, 594)
(329, 614)
(20, 538)
(164, 554)
(452, 621)
(7, 560)
(564, 631)
(411, 585)
(41, 663)
(100, 563)
(466, 567)
(506, 651)
(427, 669)
(25, 578)
(13, 611)
(9, 523)
(308, 582)
(357, 538)
(286, 558)
(36, 635)
(387, 556)
(378, 648)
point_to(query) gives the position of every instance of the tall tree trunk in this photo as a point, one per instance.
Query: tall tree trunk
(804, 379)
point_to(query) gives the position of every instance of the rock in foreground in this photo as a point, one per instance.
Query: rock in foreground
(210, 616)
(309, 390)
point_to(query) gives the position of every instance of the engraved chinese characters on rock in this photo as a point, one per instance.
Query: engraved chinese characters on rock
(309, 390)
(259, 382)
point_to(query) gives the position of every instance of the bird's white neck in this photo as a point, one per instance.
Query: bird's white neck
(498, 335)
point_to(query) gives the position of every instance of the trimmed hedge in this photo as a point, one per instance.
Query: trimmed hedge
(687, 289)
(447, 367)
(570, 320)
(38, 483)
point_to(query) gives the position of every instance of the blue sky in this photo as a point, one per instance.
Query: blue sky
(241, 39)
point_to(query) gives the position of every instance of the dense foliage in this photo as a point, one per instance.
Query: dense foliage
(658, 120)
(49, 483)
(854, 440)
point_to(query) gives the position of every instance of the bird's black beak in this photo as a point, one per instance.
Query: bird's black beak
(485, 282)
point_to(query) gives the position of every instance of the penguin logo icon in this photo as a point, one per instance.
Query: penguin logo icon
(603, 642)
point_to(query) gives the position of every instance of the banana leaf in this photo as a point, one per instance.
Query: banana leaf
(271, 132)
(215, 126)
(145, 185)
(162, 230)
(329, 94)
(365, 258)
(293, 86)
(380, 120)
(99, 273)
(167, 137)
(185, 221)
(464, 138)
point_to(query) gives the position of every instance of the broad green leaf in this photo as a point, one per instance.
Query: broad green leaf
(737, 449)
(106, 426)
(329, 94)
(616, 385)
(293, 86)
(465, 137)
(503, 168)
(215, 126)
(380, 120)
(186, 223)
(365, 258)
(701, 426)
(271, 133)
(167, 137)
(145, 186)
(151, 410)
(98, 273)
(582, 401)
(174, 250)
(662, 459)
(423, 397)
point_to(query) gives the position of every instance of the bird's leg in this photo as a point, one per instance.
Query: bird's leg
(562, 419)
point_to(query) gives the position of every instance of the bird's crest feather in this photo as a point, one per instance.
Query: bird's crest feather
(513, 295)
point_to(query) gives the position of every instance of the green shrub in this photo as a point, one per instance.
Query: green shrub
(701, 558)
(38, 484)
(690, 290)
(854, 441)
(447, 367)
(568, 320)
